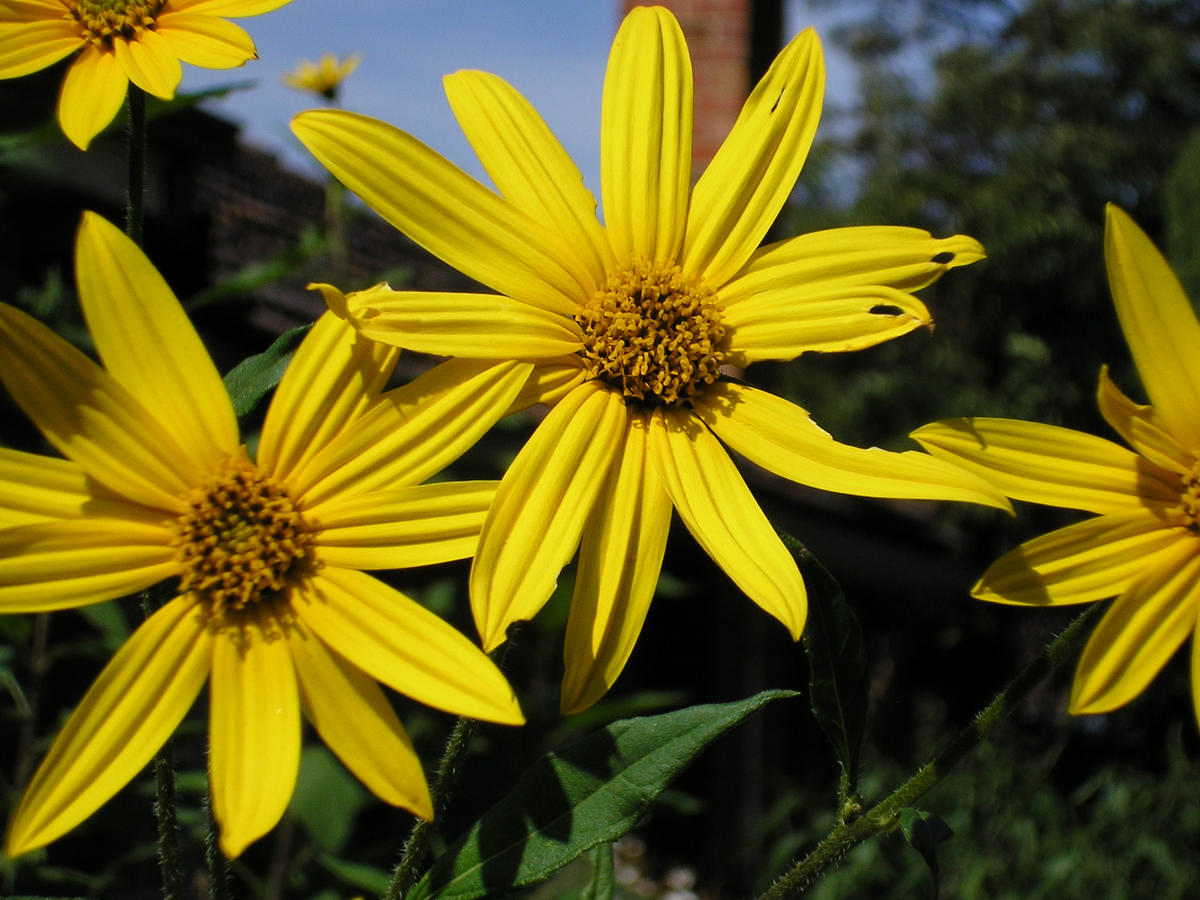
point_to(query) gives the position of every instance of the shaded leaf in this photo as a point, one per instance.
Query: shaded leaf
(326, 799)
(601, 885)
(365, 878)
(250, 379)
(926, 832)
(589, 793)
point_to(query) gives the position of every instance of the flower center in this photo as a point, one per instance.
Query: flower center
(104, 20)
(654, 333)
(1189, 509)
(239, 538)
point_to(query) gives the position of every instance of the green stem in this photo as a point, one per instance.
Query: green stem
(886, 815)
(214, 859)
(135, 196)
(164, 798)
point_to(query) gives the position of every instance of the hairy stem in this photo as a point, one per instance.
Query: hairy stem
(135, 196)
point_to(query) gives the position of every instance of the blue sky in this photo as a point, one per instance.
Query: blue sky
(553, 51)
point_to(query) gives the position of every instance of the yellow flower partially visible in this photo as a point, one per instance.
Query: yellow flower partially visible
(630, 324)
(142, 41)
(1144, 546)
(323, 77)
(272, 609)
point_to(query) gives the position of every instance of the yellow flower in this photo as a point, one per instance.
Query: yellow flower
(142, 41)
(272, 609)
(630, 324)
(1144, 547)
(324, 76)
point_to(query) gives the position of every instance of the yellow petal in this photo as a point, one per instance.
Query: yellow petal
(398, 529)
(619, 561)
(334, 377)
(738, 197)
(906, 259)
(783, 324)
(1091, 560)
(232, 8)
(412, 432)
(782, 438)
(15, 12)
(721, 513)
(1159, 324)
(354, 718)
(92, 94)
(404, 645)
(442, 208)
(1142, 630)
(1142, 428)
(254, 729)
(530, 167)
(129, 712)
(550, 381)
(39, 488)
(475, 326)
(540, 508)
(205, 40)
(74, 562)
(150, 63)
(35, 43)
(646, 137)
(1048, 464)
(147, 343)
(89, 417)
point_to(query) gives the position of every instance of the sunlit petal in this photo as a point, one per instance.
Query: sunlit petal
(36, 42)
(540, 508)
(232, 8)
(550, 381)
(619, 561)
(92, 94)
(205, 40)
(132, 708)
(37, 488)
(723, 516)
(150, 63)
(1048, 464)
(1142, 428)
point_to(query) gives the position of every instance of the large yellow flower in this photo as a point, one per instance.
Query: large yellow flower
(142, 41)
(630, 324)
(271, 608)
(1144, 547)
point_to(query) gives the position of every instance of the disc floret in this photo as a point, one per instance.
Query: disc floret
(1189, 507)
(654, 332)
(239, 540)
(105, 20)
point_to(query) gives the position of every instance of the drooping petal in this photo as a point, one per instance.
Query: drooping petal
(29, 42)
(1048, 464)
(646, 137)
(540, 508)
(398, 529)
(550, 381)
(37, 488)
(233, 9)
(205, 40)
(413, 431)
(147, 343)
(723, 516)
(1090, 560)
(150, 63)
(473, 326)
(782, 325)
(92, 94)
(741, 192)
(1159, 324)
(442, 208)
(782, 438)
(334, 377)
(254, 728)
(1142, 428)
(75, 562)
(404, 645)
(354, 718)
(619, 560)
(89, 417)
(132, 708)
(530, 167)
(1142, 630)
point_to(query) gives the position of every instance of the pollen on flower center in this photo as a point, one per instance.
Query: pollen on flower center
(239, 539)
(1189, 509)
(104, 20)
(653, 332)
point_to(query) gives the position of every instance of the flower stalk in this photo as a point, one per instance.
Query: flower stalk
(135, 197)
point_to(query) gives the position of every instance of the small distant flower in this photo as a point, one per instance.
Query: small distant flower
(272, 608)
(630, 324)
(323, 77)
(1144, 547)
(142, 41)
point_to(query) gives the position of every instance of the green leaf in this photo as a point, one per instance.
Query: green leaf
(251, 278)
(250, 379)
(365, 878)
(589, 793)
(326, 799)
(109, 620)
(601, 885)
(841, 680)
(926, 832)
